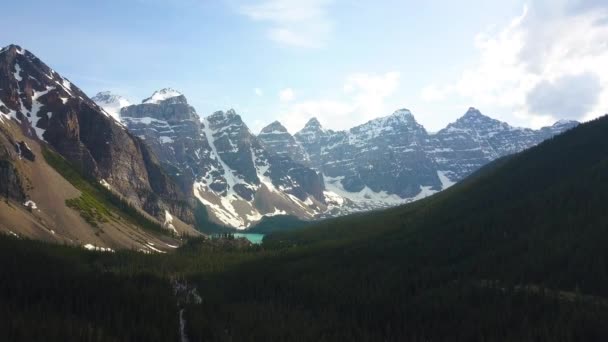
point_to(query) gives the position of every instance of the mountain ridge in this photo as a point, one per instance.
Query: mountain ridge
(384, 162)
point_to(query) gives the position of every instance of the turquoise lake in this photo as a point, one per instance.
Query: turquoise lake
(252, 237)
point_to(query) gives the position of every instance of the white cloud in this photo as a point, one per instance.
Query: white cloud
(258, 91)
(571, 95)
(364, 98)
(369, 91)
(286, 95)
(297, 23)
(531, 57)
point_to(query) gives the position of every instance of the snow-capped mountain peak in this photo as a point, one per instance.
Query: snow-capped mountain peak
(18, 49)
(111, 103)
(162, 95)
(399, 117)
(474, 114)
(274, 128)
(399, 121)
(402, 112)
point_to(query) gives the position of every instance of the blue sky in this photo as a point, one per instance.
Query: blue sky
(526, 62)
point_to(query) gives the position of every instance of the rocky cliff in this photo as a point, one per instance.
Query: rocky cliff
(52, 110)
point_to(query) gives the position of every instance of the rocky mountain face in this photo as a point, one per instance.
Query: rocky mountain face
(51, 110)
(277, 140)
(172, 129)
(222, 163)
(12, 182)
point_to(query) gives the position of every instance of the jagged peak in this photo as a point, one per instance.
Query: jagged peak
(217, 113)
(230, 114)
(274, 127)
(162, 95)
(402, 112)
(399, 117)
(474, 114)
(472, 111)
(402, 115)
(313, 123)
(14, 47)
(473, 118)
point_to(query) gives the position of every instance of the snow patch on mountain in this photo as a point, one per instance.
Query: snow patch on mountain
(223, 208)
(152, 247)
(92, 247)
(105, 184)
(168, 224)
(227, 173)
(9, 112)
(262, 172)
(365, 198)
(17, 73)
(445, 180)
(34, 114)
(30, 204)
(162, 95)
(165, 140)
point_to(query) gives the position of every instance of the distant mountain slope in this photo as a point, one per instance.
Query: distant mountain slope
(475, 139)
(393, 159)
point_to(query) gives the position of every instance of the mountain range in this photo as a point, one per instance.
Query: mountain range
(182, 170)
(241, 177)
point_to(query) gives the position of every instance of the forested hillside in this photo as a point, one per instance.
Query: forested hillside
(517, 252)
